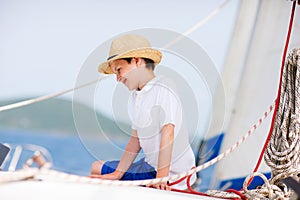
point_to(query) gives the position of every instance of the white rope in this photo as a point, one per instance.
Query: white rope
(266, 191)
(199, 24)
(283, 151)
(19, 175)
(45, 97)
(222, 194)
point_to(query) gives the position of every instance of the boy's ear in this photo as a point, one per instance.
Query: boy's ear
(138, 62)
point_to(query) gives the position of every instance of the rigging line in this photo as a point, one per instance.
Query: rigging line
(199, 24)
(186, 33)
(45, 97)
(206, 19)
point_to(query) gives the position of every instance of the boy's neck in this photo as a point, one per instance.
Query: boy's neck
(146, 78)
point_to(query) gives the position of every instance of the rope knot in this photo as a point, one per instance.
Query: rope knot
(266, 191)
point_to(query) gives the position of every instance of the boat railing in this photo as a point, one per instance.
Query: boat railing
(26, 155)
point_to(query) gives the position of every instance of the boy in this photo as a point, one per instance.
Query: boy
(156, 116)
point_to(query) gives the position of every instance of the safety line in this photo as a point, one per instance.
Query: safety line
(199, 24)
(45, 97)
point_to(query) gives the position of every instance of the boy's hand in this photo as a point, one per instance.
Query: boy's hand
(111, 176)
(160, 186)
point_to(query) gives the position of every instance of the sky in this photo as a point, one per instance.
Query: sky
(44, 44)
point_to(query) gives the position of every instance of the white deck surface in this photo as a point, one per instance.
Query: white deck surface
(36, 190)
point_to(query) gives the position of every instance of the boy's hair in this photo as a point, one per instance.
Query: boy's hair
(149, 62)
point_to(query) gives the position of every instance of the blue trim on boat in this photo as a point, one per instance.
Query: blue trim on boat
(209, 149)
(237, 183)
(4, 150)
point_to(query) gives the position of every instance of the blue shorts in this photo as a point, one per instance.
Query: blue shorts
(139, 170)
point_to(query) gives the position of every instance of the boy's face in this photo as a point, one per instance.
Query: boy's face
(125, 72)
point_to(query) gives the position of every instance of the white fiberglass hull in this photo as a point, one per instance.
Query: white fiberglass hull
(50, 190)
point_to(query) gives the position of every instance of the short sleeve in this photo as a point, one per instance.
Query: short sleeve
(131, 109)
(171, 112)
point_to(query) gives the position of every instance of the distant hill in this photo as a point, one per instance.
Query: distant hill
(55, 115)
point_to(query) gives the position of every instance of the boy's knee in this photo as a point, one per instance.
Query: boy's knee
(97, 167)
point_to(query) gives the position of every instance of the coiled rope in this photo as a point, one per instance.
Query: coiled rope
(282, 154)
(267, 191)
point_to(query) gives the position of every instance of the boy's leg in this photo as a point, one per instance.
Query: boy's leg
(97, 167)
(139, 170)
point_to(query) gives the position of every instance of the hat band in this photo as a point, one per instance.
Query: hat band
(110, 57)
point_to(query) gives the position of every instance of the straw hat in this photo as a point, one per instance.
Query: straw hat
(129, 46)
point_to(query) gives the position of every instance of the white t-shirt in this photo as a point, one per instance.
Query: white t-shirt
(156, 105)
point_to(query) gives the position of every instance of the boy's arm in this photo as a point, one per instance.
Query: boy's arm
(165, 154)
(132, 149)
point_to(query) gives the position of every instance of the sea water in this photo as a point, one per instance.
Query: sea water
(68, 153)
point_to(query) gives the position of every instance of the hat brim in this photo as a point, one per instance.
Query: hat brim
(149, 53)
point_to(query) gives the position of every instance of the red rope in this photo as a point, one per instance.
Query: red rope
(178, 181)
(243, 197)
(278, 92)
(190, 190)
